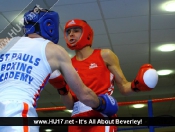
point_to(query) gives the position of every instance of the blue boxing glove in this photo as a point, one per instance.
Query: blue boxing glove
(108, 105)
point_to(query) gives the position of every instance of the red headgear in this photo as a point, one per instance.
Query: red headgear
(86, 36)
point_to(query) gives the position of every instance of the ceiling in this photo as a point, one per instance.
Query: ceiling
(132, 29)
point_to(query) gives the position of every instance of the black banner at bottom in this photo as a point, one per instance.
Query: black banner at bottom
(66, 121)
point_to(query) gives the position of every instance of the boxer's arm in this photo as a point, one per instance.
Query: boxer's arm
(68, 101)
(145, 80)
(58, 82)
(113, 65)
(3, 42)
(84, 94)
(59, 58)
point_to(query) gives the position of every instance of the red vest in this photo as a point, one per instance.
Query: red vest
(94, 73)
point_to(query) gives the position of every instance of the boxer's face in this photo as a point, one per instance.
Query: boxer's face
(73, 34)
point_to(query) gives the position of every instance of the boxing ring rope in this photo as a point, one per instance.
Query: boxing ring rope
(150, 111)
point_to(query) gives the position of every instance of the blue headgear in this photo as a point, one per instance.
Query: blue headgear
(43, 22)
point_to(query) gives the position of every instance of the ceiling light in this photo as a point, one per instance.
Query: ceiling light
(167, 47)
(138, 105)
(70, 111)
(169, 6)
(164, 72)
(48, 130)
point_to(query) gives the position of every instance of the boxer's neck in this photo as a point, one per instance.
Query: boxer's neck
(84, 53)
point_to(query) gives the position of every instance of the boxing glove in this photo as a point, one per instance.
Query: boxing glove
(146, 79)
(108, 105)
(58, 82)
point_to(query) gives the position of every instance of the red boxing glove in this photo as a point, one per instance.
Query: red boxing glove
(146, 79)
(60, 84)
